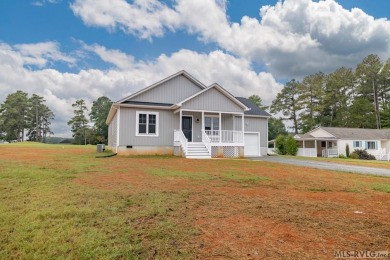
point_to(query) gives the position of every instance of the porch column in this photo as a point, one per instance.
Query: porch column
(202, 120)
(326, 148)
(315, 146)
(220, 128)
(180, 114)
(304, 152)
(242, 128)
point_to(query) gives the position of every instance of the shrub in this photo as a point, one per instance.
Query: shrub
(291, 145)
(362, 154)
(286, 145)
(342, 156)
(354, 155)
(280, 144)
(347, 150)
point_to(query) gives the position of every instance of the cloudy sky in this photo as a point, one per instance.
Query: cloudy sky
(65, 50)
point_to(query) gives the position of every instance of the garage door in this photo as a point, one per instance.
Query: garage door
(251, 144)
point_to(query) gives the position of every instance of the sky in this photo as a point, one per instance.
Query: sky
(84, 49)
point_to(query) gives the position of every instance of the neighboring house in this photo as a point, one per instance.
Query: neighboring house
(179, 115)
(332, 141)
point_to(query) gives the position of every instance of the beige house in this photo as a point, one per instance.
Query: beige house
(332, 142)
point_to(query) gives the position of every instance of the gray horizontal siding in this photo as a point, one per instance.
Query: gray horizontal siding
(167, 123)
(255, 124)
(212, 100)
(171, 92)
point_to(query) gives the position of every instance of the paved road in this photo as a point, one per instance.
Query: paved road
(326, 165)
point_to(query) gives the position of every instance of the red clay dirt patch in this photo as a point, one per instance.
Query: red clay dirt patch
(299, 213)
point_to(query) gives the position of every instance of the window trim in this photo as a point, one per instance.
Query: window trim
(157, 114)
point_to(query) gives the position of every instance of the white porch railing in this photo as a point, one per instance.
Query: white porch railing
(179, 137)
(225, 136)
(330, 152)
(307, 152)
(207, 141)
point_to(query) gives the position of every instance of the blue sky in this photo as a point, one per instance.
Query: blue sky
(66, 50)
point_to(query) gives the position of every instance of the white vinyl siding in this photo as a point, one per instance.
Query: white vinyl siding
(146, 123)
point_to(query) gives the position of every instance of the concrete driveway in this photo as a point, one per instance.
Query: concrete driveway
(325, 165)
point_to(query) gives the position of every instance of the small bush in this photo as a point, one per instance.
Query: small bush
(362, 155)
(342, 156)
(347, 150)
(291, 145)
(354, 155)
(286, 145)
(280, 144)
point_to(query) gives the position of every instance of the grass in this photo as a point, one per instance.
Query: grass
(383, 187)
(62, 202)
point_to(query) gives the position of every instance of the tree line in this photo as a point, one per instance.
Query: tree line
(344, 98)
(22, 116)
(82, 132)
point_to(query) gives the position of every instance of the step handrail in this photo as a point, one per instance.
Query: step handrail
(206, 141)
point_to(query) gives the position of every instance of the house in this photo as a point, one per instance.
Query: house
(332, 142)
(180, 115)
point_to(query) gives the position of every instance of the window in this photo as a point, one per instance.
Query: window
(357, 144)
(323, 144)
(371, 145)
(211, 123)
(147, 123)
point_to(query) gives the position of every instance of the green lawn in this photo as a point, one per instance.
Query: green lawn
(61, 202)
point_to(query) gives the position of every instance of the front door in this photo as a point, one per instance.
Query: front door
(186, 126)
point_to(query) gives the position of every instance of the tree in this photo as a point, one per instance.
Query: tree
(367, 77)
(311, 92)
(275, 128)
(38, 119)
(13, 114)
(287, 102)
(79, 122)
(256, 99)
(99, 112)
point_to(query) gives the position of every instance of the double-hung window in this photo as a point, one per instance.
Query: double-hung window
(371, 145)
(357, 144)
(146, 123)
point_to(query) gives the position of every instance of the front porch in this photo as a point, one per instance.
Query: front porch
(318, 148)
(206, 134)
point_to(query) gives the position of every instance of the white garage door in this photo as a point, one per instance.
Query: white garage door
(251, 144)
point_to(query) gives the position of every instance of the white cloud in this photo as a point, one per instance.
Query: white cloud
(144, 18)
(292, 38)
(62, 89)
(39, 54)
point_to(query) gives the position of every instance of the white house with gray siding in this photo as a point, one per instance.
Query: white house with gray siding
(180, 115)
(333, 141)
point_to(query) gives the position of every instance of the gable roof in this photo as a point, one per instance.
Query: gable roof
(254, 110)
(220, 89)
(350, 133)
(180, 73)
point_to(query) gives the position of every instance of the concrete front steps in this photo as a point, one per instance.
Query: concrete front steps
(197, 151)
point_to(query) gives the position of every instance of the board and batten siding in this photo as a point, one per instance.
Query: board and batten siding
(168, 121)
(227, 122)
(170, 92)
(212, 100)
(112, 132)
(258, 124)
